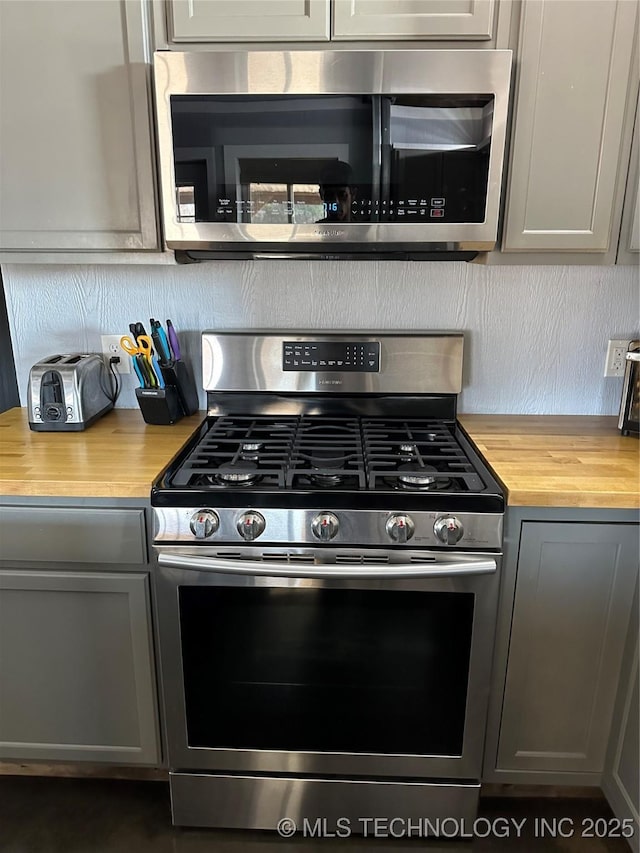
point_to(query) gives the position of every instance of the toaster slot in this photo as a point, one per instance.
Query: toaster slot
(52, 397)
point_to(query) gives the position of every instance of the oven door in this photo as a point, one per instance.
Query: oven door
(285, 667)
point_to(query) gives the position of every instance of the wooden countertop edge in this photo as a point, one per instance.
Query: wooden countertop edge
(579, 500)
(37, 489)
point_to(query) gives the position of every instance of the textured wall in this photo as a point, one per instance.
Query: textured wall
(536, 337)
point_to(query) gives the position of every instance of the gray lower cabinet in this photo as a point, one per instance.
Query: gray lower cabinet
(566, 603)
(76, 667)
(621, 780)
(77, 670)
(76, 169)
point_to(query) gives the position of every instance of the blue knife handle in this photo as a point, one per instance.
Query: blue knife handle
(157, 371)
(165, 350)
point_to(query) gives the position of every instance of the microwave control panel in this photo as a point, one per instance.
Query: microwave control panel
(321, 356)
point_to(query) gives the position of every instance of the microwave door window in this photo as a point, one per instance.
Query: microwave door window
(435, 159)
(273, 159)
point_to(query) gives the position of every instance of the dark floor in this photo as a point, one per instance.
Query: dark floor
(97, 816)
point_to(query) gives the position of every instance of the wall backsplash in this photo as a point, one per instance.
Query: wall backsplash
(535, 337)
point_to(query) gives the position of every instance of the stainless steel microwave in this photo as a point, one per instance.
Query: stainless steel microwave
(331, 154)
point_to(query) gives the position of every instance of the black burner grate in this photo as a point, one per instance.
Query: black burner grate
(327, 454)
(315, 453)
(415, 455)
(240, 452)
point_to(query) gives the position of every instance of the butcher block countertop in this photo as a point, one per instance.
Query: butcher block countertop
(118, 456)
(559, 460)
(540, 460)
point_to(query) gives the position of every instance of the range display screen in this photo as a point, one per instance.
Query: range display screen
(304, 159)
(343, 357)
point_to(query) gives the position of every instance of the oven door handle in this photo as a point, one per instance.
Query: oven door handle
(464, 566)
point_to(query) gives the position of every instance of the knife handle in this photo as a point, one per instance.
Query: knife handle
(166, 349)
(173, 340)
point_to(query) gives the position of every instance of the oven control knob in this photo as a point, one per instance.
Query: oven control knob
(325, 526)
(400, 528)
(251, 525)
(204, 523)
(448, 529)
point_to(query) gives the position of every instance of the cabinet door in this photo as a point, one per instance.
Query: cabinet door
(412, 19)
(572, 605)
(76, 167)
(76, 667)
(248, 20)
(621, 780)
(572, 97)
(629, 247)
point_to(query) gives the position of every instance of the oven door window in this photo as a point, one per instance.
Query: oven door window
(303, 159)
(331, 670)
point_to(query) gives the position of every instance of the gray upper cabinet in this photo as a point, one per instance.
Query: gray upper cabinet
(76, 169)
(573, 593)
(321, 20)
(629, 247)
(576, 86)
(76, 667)
(412, 19)
(248, 20)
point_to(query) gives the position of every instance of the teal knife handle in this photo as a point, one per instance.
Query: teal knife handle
(165, 349)
(157, 371)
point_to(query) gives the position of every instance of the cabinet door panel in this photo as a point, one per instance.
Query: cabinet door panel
(575, 62)
(248, 20)
(572, 605)
(72, 535)
(412, 19)
(76, 668)
(76, 167)
(621, 779)
(629, 247)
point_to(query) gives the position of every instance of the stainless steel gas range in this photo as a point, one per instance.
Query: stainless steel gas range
(329, 548)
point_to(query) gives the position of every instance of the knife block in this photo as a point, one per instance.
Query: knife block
(160, 406)
(178, 375)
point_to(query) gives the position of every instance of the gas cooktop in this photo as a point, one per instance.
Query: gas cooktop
(324, 453)
(328, 459)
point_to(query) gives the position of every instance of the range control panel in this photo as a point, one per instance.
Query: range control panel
(340, 356)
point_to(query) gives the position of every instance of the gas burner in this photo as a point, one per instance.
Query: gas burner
(250, 451)
(407, 484)
(326, 480)
(424, 478)
(232, 474)
(323, 464)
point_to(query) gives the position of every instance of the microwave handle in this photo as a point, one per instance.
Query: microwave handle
(464, 566)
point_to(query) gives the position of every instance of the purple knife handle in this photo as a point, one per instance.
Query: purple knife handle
(173, 340)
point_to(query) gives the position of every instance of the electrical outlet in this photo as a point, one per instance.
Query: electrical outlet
(616, 358)
(111, 347)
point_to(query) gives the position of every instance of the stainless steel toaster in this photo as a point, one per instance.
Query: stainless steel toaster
(68, 392)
